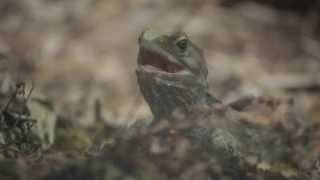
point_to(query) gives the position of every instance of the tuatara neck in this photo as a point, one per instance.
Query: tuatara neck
(169, 95)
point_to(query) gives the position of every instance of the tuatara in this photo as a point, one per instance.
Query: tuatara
(172, 76)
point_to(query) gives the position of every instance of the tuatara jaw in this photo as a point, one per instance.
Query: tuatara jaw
(153, 59)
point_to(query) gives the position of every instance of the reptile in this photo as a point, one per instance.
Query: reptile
(172, 76)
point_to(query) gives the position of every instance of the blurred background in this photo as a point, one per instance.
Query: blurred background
(82, 54)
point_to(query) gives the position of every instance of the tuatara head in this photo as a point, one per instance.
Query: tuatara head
(171, 72)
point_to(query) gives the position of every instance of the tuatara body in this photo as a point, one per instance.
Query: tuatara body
(172, 76)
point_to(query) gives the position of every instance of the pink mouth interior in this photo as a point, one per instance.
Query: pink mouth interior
(157, 61)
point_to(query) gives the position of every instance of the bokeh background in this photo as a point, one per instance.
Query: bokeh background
(82, 54)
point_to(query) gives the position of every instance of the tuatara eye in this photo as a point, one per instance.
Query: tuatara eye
(182, 44)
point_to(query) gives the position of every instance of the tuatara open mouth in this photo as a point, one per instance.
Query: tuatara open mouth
(157, 61)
